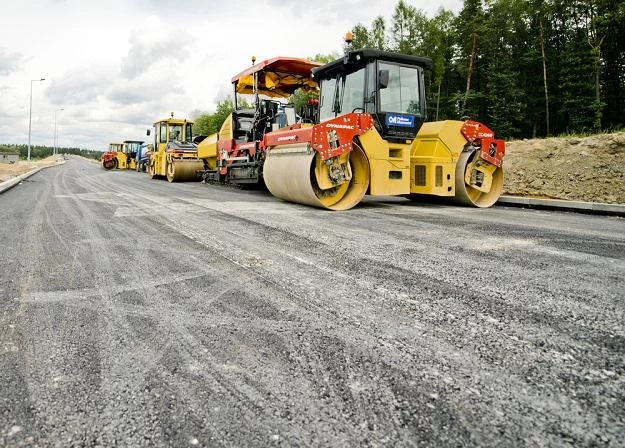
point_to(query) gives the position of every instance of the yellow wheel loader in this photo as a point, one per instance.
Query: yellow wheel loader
(174, 155)
(372, 137)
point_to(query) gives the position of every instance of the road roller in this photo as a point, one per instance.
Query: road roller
(175, 155)
(121, 156)
(371, 137)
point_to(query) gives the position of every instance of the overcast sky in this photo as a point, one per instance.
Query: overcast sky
(117, 66)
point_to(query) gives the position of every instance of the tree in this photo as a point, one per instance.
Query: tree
(611, 23)
(324, 58)
(375, 37)
(361, 37)
(40, 152)
(407, 30)
(468, 28)
(438, 45)
(207, 124)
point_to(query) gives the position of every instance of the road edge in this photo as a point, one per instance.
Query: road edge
(8, 184)
(592, 208)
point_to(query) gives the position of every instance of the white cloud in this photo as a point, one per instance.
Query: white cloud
(117, 66)
(150, 46)
(9, 61)
(80, 85)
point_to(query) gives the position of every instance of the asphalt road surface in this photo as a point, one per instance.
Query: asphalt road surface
(135, 312)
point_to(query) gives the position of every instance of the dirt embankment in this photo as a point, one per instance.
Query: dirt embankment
(581, 169)
(9, 170)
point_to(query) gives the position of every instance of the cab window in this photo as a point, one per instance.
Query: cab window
(371, 86)
(402, 93)
(327, 99)
(352, 96)
(175, 132)
(347, 98)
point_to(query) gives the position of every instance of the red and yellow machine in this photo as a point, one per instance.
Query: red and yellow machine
(236, 153)
(114, 158)
(121, 156)
(372, 138)
(369, 136)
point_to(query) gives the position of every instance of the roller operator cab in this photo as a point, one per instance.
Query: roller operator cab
(372, 138)
(386, 85)
(131, 149)
(175, 155)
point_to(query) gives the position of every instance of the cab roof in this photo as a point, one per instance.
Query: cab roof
(170, 120)
(358, 58)
(277, 77)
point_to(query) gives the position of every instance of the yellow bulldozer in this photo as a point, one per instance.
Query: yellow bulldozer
(174, 155)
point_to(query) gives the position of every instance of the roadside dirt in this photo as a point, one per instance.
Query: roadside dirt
(581, 169)
(10, 170)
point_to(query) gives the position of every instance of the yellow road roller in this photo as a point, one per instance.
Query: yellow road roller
(119, 156)
(372, 137)
(175, 155)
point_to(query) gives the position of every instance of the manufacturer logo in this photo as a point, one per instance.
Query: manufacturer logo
(339, 126)
(286, 138)
(400, 120)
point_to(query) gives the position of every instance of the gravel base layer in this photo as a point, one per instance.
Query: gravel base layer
(135, 312)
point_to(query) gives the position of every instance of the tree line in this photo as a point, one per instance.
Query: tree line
(40, 152)
(527, 68)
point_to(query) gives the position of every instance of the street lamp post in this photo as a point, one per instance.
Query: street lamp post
(55, 134)
(30, 111)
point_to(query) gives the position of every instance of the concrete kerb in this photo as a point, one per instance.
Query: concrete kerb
(593, 208)
(8, 184)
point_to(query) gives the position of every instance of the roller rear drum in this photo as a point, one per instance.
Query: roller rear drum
(471, 179)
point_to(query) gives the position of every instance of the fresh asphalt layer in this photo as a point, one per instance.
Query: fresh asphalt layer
(142, 313)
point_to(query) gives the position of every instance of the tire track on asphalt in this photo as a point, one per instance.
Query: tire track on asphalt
(238, 258)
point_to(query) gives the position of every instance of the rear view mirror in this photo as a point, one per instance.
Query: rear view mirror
(383, 79)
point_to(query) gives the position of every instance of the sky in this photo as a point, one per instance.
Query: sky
(116, 66)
